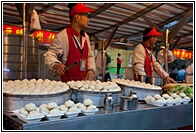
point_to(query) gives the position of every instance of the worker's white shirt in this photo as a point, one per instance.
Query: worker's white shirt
(58, 51)
(138, 59)
(189, 69)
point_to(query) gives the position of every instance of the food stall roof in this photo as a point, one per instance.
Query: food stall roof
(130, 17)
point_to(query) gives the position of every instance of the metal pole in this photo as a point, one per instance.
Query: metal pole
(166, 50)
(102, 61)
(25, 43)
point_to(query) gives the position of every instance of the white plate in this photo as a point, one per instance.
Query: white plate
(71, 114)
(53, 116)
(148, 101)
(33, 119)
(185, 101)
(178, 102)
(159, 103)
(170, 102)
(89, 112)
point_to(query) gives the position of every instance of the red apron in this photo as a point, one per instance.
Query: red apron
(148, 63)
(74, 55)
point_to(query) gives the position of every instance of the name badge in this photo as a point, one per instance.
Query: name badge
(82, 65)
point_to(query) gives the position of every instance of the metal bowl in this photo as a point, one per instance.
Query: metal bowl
(155, 81)
(127, 103)
(96, 97)
(141, 92)
(14, 102)
(152, 80)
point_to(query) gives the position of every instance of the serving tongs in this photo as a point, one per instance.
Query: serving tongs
(68, 67)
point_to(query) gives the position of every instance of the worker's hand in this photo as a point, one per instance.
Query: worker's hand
(90, 75)
(169, 80)
(59, 69)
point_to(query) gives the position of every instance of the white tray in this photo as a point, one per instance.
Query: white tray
(186, 101)
(158, 103)
(53, 116)
(33, 119)
(71, 114)
(179, 101)
(89, 112)
(170, 103)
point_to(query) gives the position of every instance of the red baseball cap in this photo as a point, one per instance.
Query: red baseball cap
(80, 8)
(153, 32)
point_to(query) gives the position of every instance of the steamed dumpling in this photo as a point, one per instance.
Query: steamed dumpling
(63, 108)
(91, 107)
(52, 105)
(88, 102)
(186, 98)
(182, 94)
(82, 106)
(30, 107)
(54, 111)
(44, 109)
(23, 111)
(174, 95)
(165, 96)
(33, 114)
(69, 103)
(157, 96)
(73, 109)
(42, 105)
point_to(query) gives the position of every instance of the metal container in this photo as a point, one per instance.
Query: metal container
(13, 57)
(142, 78)
(14, 102)
(141, 92)
(108, 101)
(155, 81)
(96, 97)
(127, 103)
(151, 80)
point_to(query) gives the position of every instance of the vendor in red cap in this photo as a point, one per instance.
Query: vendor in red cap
(73, 45)
(143, 61)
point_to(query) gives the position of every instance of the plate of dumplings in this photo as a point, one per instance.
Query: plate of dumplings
(87, 108)
(51, 111)
(72, 110)
(30, 113)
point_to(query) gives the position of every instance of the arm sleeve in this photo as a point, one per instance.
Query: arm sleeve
(189, 69)
(91, 57)
(138, 59)
(54, 53)
(158, 69)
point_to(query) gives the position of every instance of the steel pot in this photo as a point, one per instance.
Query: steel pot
(155, 81)
(151, 80)
(127, 103)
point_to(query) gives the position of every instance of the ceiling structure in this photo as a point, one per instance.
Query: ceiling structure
(129, 20)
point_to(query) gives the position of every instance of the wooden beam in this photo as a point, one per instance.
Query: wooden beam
(176, 17)
(107, 42)
(175, 43)
(46, 8)
(150, 23)
(133, 17)
(101, 9)
(182, 22)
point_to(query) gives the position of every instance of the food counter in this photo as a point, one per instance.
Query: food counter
(145, 117)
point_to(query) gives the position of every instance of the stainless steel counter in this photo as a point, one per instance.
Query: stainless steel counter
(145, 117)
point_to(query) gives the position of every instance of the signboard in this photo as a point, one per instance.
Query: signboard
(44, 37)
(12, 29)
(183, 54)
